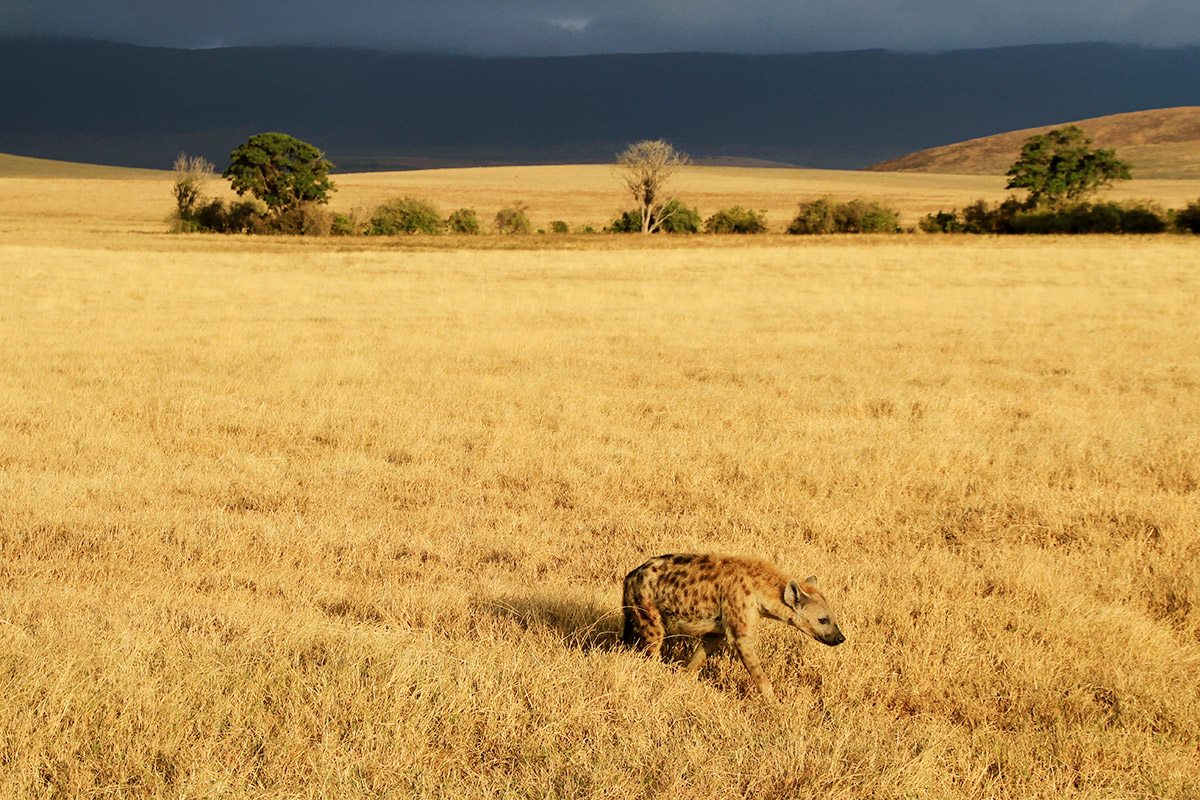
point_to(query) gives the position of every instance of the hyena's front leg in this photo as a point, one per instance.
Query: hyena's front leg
(741, 635)
(749, 655)
(705, 647)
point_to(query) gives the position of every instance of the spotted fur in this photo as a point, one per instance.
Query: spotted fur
(718, 600)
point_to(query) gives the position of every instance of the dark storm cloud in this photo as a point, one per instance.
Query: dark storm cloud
(544, 27)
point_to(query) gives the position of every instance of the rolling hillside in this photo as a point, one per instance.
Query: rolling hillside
(1160, 143)
(26, 167)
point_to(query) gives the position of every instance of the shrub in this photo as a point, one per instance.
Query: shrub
(862, 216)
(512, 219)
(243, 216)
(315, 220)
(980, 217)
(941, 222)
(558, 226)
(464, 220)
(676, 218)
(246, 216)
(628, 222)
(1187, 219)
(736, 220)
(827, 215)
(191, 173)
(181, 224)
(1144, 217)
(405, 215)
(815, 217)
(306, 219)
(345, 225)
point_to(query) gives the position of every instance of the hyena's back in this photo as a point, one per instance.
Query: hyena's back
(686, 593)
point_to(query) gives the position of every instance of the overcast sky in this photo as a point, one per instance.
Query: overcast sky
(552, 27)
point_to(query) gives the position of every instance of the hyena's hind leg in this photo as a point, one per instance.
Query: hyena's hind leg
(654, 633)
(706, 646)
(643, 621)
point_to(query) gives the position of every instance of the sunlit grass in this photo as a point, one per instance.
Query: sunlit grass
(283, 518)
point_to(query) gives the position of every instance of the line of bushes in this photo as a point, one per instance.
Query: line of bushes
(401, 215)
(1013, 216)
(214, 215)
(821, 216)
(412, 215)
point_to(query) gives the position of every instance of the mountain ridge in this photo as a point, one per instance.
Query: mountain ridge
(136, 106)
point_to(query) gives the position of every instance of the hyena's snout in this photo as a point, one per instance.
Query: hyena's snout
(833, 638)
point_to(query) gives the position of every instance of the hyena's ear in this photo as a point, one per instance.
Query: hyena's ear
(793, 595)
(811, 580)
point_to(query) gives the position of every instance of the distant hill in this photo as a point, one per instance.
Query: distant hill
(371, 110)
(25, 167)
(1161, 143)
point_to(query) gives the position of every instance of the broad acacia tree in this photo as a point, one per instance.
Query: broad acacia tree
(1060, 167)
(645, 168)
(281, 171)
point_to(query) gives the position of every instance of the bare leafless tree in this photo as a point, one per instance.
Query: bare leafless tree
(190, 174)
(645, 169)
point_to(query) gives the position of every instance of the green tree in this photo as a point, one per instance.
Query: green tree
(1061, 167)
(281, 171)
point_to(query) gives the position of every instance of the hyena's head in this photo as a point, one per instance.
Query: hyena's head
(811, 612)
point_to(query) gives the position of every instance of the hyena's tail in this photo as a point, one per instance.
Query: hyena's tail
(632, 634)
(630, 637)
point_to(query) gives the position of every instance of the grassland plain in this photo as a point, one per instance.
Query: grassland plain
(44, 201)
(305, 519)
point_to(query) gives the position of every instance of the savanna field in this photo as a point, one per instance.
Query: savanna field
(349, 518)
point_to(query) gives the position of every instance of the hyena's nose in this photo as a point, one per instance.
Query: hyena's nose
(836, 639)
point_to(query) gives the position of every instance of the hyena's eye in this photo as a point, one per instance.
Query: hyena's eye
(823, 621)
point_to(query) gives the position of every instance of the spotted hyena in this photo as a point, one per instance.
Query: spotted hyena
(718, 599)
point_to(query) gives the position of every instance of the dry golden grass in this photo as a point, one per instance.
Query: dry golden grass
(301, 519)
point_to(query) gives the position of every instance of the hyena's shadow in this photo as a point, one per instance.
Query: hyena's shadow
(580, 625)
